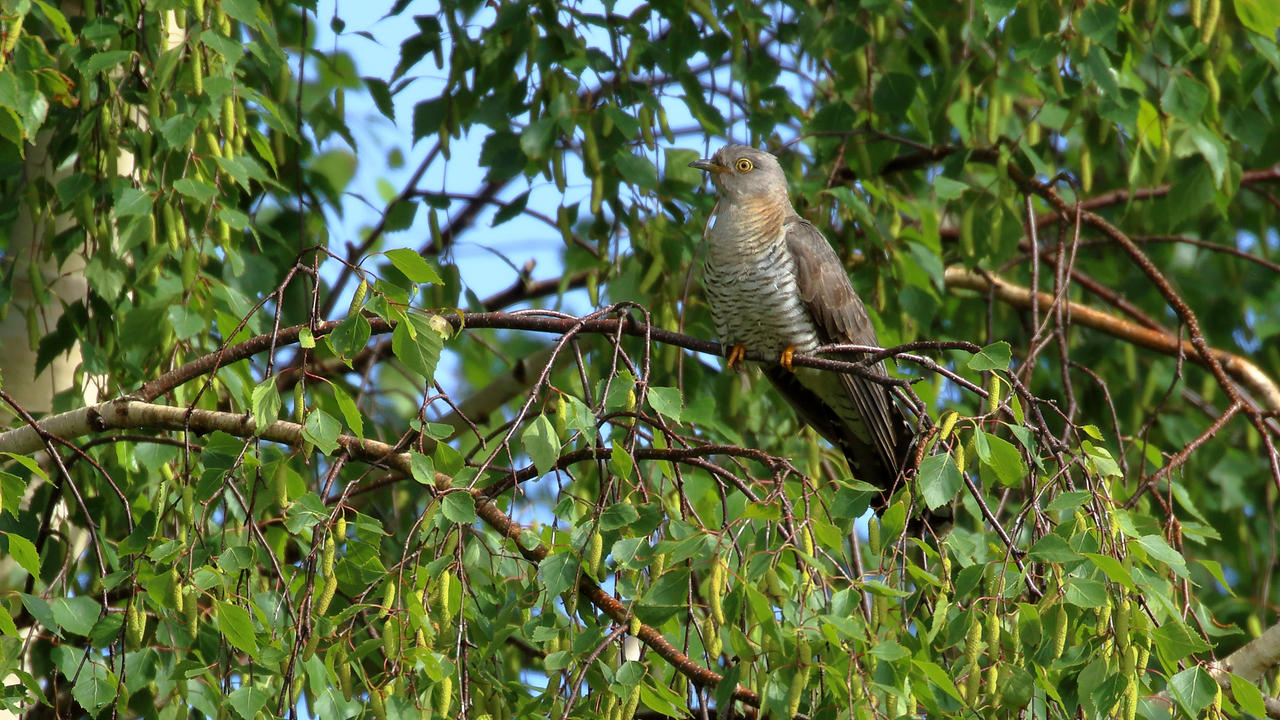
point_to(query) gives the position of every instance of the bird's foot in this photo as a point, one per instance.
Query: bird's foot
(787, 355)
(736, 353)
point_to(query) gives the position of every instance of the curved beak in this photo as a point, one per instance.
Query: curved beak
(707, 165)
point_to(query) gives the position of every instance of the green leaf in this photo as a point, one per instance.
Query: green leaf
(1052, 548)
(459, 507)
(1215, 569)
(511, 209)
(1086, 593)
(24, 552)
(617, 516)
(41, 611)
(265, 401)
(244, 11)
(666, 401)
(626, 552)
(1069, 500)
(247, 700)
(7, 626)
(1215, 152)
(423, 469)
(537, 137)
(995, 356)
(894, 93)
(620, 461)
(936, 675)
(1175, 641)
(56, 20)
(889, 650)
(1246, 694)
(1112, 568)
(95, 687)
(939, 480)
(413, 266)
(1194, 689)
(350, 413)
(1262, 17)
(196, 190)
(669, 590)
(558, 572)
(400, 216)
(540, 442)
(1160, 551)
(105, 60)
(1003, 458)
(1100, 459)
(636, 170)
(106, 631)
(1185, 98)
(133, 201)
(448, 460)
(321, 429)
(948, 189)
(417, 344)
(11, 490)
(1099, 22)
(185, 321)
(235, 624)
(76, 615)
(350, 336)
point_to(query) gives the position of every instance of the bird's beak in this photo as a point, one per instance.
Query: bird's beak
(708, 166)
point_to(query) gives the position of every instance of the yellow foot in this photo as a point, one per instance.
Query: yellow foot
(785, 360)
(736, 353)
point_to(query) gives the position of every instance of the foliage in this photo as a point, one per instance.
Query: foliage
(427, 504)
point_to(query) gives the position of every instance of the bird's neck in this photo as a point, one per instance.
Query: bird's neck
(747, 225)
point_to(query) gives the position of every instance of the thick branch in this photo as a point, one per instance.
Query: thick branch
(1242, 370)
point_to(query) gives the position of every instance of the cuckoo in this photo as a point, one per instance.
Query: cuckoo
(775, 286)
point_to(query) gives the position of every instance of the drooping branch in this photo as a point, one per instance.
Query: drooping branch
(132, 414)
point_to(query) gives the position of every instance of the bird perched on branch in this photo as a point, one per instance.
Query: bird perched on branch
(776, 286)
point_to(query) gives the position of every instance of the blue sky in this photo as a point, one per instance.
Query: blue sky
(520, 239)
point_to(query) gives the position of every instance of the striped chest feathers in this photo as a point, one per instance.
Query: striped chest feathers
(750, 283)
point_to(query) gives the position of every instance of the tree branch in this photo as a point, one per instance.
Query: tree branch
(1241, 369)
(125, 413)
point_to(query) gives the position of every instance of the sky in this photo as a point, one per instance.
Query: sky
(478, 251)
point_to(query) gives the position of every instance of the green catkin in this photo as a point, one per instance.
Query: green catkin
(1212, 11)
(175, 589)
(444, 695)
(357, 299)
(711, 640)
(388, 597)
(390, 638)
(1059, 633)
(715, 589)
(135, 625)
(595, 555)
(633, 701)
(191, 608)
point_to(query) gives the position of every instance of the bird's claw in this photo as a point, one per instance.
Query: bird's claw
(736, 353)
(787, 355)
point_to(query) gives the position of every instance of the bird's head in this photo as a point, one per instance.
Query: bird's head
(740, 172)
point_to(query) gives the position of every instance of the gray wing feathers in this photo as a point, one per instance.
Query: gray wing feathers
(841, 318)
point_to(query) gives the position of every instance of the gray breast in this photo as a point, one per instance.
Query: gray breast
(751, 289)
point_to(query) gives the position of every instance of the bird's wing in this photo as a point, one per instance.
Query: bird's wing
(840, 317)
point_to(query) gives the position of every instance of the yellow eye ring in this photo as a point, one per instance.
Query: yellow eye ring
(743, 165)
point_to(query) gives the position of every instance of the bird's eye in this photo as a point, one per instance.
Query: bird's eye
(743, 165)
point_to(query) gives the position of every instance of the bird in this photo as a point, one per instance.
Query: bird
(775, 286)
